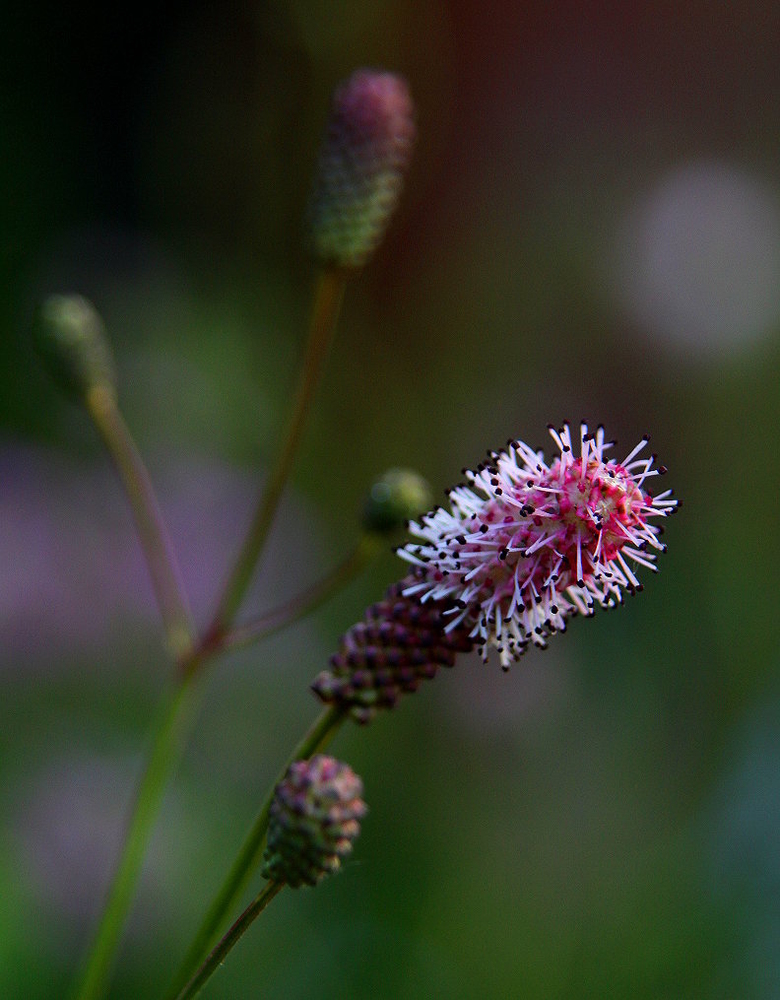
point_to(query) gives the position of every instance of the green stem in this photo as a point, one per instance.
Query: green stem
(322, 731)
(180, 632)
(220, 952)
(309, 600)
(173, 725)
(177, 620)
(325, 313)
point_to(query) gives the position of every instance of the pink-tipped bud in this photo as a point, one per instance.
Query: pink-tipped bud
(364, 156)
(315, 816)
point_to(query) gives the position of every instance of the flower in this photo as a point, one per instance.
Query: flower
(527, 545)
(364, 156)
(315, 816)
(524, 547)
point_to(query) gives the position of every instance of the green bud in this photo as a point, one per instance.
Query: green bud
(315, 815)
(71, 340)
(400, 494)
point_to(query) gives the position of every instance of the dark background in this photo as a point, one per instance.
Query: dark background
(591, 227)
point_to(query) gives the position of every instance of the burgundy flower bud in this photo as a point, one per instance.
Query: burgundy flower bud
(399, 643)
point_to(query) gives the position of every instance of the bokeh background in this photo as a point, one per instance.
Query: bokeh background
(591, 227)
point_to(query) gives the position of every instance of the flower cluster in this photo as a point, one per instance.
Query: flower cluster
(315, 816)
(527, 544)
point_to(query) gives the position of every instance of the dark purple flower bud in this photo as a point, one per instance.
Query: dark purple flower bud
(399, 643)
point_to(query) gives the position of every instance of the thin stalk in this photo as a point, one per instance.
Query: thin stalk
(190, 656)
(221, 950)
(172, 728)
(166, 579)
(308, 601)
(325, 312)
(249, 857)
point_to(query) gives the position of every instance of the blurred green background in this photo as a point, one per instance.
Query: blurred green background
(591, 228)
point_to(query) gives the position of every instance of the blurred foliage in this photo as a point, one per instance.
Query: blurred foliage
(602, 821)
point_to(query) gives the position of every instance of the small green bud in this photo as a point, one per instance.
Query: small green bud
(70, 338)
(400, 494)
(365, 153)
(315, 815)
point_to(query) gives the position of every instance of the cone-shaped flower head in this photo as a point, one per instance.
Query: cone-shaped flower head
(399, 644)
(315, 816)
(527, 544)
(71, 340)
(364, 156)
(394, 498)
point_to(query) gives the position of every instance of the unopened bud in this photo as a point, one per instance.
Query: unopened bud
(315, 815)
(399, 644)
(364, 156)
(71, 340)
(395, 498)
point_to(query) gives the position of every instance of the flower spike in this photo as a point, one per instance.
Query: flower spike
(315, 816)
(526, 544)
(364, 156)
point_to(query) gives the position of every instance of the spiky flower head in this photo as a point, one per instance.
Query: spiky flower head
(527, 544)
(365, 153)
(396, 496)
(315, 816)
(71, 340)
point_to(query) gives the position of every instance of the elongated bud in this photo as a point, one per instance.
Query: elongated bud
(71, 340)
(395, 498)
(364, 156)
(315, 816)
(399, 644)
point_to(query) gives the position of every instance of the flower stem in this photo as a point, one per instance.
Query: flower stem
(231, 938)
(309, 600)
(190, 655)
(169, 591)
(172, 728)
(318, 736)
(325, 312)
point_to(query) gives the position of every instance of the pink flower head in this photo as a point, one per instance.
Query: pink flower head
(527, 545)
